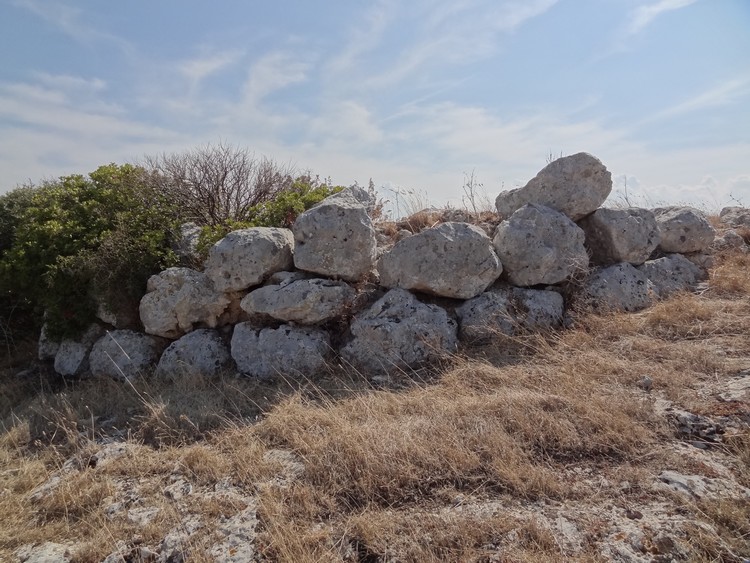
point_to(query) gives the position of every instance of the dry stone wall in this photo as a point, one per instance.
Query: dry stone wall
(289, 302)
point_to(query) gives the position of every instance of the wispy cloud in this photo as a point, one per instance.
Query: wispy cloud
(197, 69)
(642, 16)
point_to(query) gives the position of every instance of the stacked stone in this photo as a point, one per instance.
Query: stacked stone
(287, 302)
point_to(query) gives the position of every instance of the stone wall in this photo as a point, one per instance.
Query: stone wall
(339, 288)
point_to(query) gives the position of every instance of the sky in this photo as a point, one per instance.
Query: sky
(416, 95)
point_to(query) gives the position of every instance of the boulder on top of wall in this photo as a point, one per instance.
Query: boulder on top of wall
(507, 310)
(671, 273)
(178, 299)
(125, 354)
(399, 332)
(621, 287)
(72, 358)
(683, 229)
(287, 351)
(452, 260)
(735, 216)
(336, 238)
(538, 245)
(246, 257)
(307, 302)
(620, 235)
(573, 185)
(201, 352)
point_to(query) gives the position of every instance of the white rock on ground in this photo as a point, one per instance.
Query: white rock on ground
(125, 354)
(287, 351)
(452, 260)
(246, 257)
(506, 310)
(399, 332)
(72, 358)
(538, 245)
(573, 185)
(47, 552)
(620, 235)
(177, 300)
(683, 229)
(304, 301)
(47, 348)
(336, 238)
(735, 216)
(671, 273)
(201, 352)
(621, 287)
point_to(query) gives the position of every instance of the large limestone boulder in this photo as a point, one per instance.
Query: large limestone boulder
(246, 257)
(573, 185)
(452, 260)
(72, 358)
(538, 245)
(621, 287)
(620, 235)
(201, 352)
(399, 332)
(336, 238)
(287, 351)
(177, 300)
(508, 311)
(735, 216)
(683, 229)
(307, 302)
(672, 273)
(125, 354)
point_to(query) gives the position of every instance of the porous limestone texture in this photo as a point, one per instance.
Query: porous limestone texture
(621, 287)
(399, 332)
(246, 257)
(287, 351)
(452, 260)
(307, 301)
(620, 235)
(201, 352)
(125, 354)
(573, 185)
(336, 238)
(671, 273)
(683, 229)
(177, 300)
(538, 245)
(72, 358)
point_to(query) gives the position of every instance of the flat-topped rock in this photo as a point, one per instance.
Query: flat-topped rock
(683, 230)
(620, 235)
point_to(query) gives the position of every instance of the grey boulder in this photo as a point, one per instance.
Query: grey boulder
(620, 235)
(336, 238)
(671, 274)
(621, 287)
(452, 260)
(72, 358)
(46, 348)
(735, 216)
(399, 332)
(246, 257)
(298, 352)
(683, 229)
(573, 185)
(125, 354)
(201, 352)
(538, 245)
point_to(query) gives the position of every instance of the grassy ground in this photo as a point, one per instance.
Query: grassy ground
(484, 461)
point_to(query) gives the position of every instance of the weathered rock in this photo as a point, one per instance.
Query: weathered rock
(125, 354)
(201, 352)
(120, 316)
(683, 229)
(72, 358)
(704, 262)
(506, 310)
(238, 538)
(246, 257)
(452, 260)
(735, 216)
(671, 273)
(399, 332)
(47, 552)
(729, 240)
(336, 238)
(304, 301)
(621, 287)
(285, 278)
(286, 351)
(620, 235)
(186, 247)
(573, 185)
(177, 300)
(47, 348)
(538, 245)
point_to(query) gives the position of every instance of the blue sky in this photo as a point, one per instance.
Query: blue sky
(411, 94)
